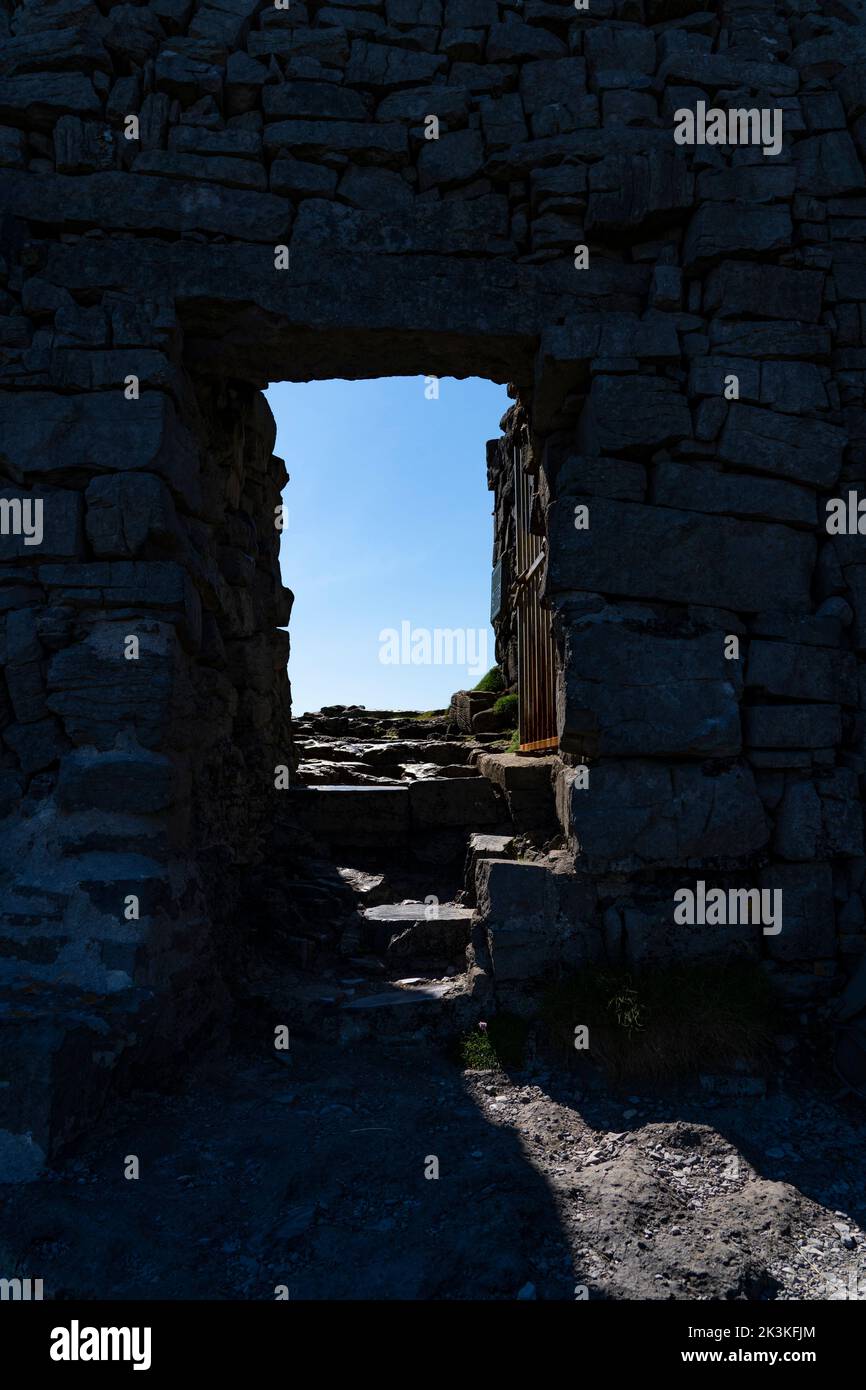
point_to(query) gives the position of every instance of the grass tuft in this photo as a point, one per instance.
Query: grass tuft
(500, 1044)
(506, 704)
(659, 1025)
(493, 681)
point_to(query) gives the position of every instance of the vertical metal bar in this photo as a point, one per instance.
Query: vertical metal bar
(535, 653)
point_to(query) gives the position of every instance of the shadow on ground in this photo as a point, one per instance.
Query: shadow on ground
(310, 1174)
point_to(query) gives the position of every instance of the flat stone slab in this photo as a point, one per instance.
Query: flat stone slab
(403, 913)
(518, 773)
(432, 931)
(395, 751)
(365, 886)
(491, 846)
(399, 998)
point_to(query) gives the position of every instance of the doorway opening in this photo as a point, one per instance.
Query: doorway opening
(409, 671)
(387, 544)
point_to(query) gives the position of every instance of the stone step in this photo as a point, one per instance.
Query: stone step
(527, 785)
(349, 815)
(340, 774)
(325, 773)
(413, 1010)
(483, 846)
(386, 816)
(435, 930)
(535, 918)
(469, 801)
(394, 751)
(330, 750)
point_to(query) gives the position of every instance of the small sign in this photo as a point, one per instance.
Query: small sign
(496, 592)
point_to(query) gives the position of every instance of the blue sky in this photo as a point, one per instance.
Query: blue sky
(389, 530)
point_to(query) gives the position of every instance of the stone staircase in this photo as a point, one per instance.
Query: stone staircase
(350, 746)
(401, 811)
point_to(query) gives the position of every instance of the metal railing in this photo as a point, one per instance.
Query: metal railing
(536, 656)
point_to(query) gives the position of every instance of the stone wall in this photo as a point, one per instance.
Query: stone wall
(199, 198)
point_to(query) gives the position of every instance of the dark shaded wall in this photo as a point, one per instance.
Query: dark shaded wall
(155, 258)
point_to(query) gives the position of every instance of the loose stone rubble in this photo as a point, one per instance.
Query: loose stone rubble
(311, 1175)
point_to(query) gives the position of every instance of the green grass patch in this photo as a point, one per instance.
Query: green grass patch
(493, 681)
(500, 1044)
(513, 742)
(658, 1025)
(506, 704)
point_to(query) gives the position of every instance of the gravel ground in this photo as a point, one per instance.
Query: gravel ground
(312, 1174)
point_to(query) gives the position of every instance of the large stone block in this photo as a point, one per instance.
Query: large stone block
(717, 231)
(386, 65)
(127, 510)
(798, 821)
(626, 189)
(41, 98)
(552, 80)
(630, 688)
(312, 101)
(454, 158)
(145, 203)
(527, 786)
(229, 172)
(579, 475)
(808, 911)
(123, 584)
(382, 143)
(44, 436)
(26, 689)
(452, 226)
(638, 814)
(567, 351)
(53, 523)
(806, 451)
(793, 726)
(802, 672)
(652, 939)
(630, 47)
(794, 387)
(749, 183)
(626, 414)
(771, 339)
(52, 49)
(820, 818)
(128, 779)
(683, 557)
(712, 70)
(534, 920)
(842, 813)
(36, 745)
(514, 41)
(703, 488)
(455, 801)
(99, 695)
(766, 291)
(827, 165)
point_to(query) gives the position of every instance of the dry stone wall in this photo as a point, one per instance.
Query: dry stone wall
(197, 198)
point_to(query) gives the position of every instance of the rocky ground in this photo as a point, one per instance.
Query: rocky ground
(308, 1170)
(364, 1162)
